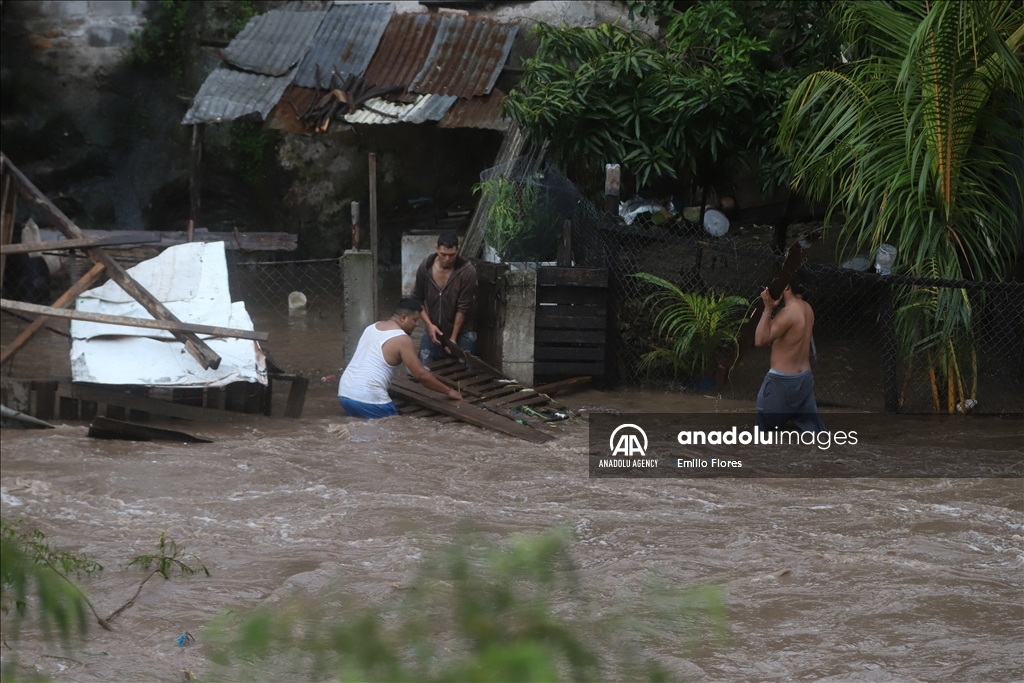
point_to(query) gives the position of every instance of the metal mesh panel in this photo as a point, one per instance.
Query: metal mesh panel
(307, 340)
(858, 364)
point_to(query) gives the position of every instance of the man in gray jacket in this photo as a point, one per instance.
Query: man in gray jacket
(446, 284)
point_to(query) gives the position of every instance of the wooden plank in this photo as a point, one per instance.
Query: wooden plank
(471, 360)
(466, 412)
(172, 326)
(567, 353)
(562, 368)
(571, 318)
(502, 400)
(569, 337)
(564, 385)
(112, 397)
(572, 295)
(197, 348)
(579, 277)
(296, 397)
(113, 240)
(106, 428)
(46, 398)
(436, 365)
(63, 300)
(536, 399)
(233, 241)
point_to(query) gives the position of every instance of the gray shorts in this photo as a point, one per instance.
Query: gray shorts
(788, 397)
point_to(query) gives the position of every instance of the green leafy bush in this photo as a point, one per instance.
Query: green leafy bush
(474, 612)
(697, 329)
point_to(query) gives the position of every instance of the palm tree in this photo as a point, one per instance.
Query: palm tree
(909, 142)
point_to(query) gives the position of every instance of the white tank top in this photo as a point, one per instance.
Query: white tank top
(367, 377)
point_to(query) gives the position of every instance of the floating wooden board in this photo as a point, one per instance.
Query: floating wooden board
(105, 428)
(491, 401)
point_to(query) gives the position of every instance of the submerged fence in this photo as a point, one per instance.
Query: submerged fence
(859, 363)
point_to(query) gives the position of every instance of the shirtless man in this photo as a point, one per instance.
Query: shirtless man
(787, 392)
(363, 389)
(446, 284)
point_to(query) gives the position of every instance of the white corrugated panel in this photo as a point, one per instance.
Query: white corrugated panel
(426, 108)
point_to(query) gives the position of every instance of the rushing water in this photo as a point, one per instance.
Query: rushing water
(837, 580)
(888, 579)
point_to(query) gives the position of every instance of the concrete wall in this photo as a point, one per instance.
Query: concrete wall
(520, 318)
(358, 287)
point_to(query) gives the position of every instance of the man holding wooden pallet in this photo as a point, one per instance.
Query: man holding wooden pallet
(363, 389)
(446, 284)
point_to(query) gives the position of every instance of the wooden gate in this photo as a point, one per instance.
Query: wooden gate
(570, 335)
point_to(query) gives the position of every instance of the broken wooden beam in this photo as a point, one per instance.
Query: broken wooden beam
(197, 348)
(166, 325)
(83, 243)
(63, 300)
(465, 412)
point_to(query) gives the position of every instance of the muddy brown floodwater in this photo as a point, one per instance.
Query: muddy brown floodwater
(889, 579)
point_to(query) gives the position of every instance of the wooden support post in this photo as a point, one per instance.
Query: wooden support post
(890, 355)
(67, 408)
(296, 397)
(8, 210)
(612, 184)
(197, 348)
(65, 299)
(195, 178)
(565, 246)
(373, 228)
(355, 225)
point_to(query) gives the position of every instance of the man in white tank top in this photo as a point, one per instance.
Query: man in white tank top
(363, 389)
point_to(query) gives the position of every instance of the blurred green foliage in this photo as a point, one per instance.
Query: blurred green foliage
(474, 611)
(702, 102)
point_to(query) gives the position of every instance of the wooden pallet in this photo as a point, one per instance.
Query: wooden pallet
(490, 400)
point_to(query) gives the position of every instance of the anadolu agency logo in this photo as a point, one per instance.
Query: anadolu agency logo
(628, 446)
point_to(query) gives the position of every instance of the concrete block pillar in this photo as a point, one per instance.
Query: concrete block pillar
(520, 318)
(358, 285)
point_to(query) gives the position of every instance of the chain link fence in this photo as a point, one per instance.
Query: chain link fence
(304, 339)
(858, 362)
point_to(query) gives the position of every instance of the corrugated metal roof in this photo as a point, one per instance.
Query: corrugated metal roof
(466, 57)
(228, 94)
(402, 51)
(346, 41)
(426, 108)
(477, 112)
(274, 42)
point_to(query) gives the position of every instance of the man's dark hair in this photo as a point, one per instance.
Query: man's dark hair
(408, 306)
(448, 239)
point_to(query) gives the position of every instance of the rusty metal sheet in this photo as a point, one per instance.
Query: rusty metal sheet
(228, 94)
(345, 41)
(402, 51)
(273, 43)
(477, 112)
(466, 58)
